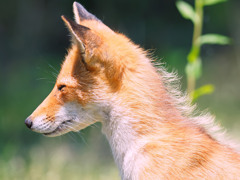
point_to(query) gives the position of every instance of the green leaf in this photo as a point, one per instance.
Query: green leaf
(214, 39)
(206, 89)
(194, 69)
(186, 10)
(212, 2)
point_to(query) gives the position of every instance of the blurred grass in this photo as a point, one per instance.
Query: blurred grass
(48, 162)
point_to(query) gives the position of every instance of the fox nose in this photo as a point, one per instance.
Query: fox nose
(28, 122)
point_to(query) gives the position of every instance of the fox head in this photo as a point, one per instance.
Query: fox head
(90, 74)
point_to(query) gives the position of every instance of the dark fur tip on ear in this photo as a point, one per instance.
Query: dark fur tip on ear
(82, 14)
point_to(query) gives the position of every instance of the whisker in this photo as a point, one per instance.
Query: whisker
(77, 132)
(38, 79)
(82, 137)
(71, 135)
(53, 68)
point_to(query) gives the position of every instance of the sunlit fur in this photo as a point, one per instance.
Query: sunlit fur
(151, 128)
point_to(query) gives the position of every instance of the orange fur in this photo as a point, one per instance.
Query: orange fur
(150, 132)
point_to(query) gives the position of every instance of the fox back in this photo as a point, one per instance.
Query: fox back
(149, 125)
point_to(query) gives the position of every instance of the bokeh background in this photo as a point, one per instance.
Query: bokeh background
(33, 43)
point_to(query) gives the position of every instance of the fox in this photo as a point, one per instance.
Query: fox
(151, 126)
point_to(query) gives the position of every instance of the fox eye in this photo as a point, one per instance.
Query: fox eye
(61, 87)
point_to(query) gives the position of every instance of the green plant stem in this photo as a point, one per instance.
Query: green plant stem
(191, 84)
(197, 25)
(196, 46)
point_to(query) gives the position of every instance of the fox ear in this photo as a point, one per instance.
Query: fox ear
(78, 32)
(82, 14)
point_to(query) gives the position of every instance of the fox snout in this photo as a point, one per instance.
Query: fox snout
(28, 122)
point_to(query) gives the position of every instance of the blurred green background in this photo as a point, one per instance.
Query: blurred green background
(33, 43)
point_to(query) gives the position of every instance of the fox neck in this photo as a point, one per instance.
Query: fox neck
(122, 139)
(121, 130)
